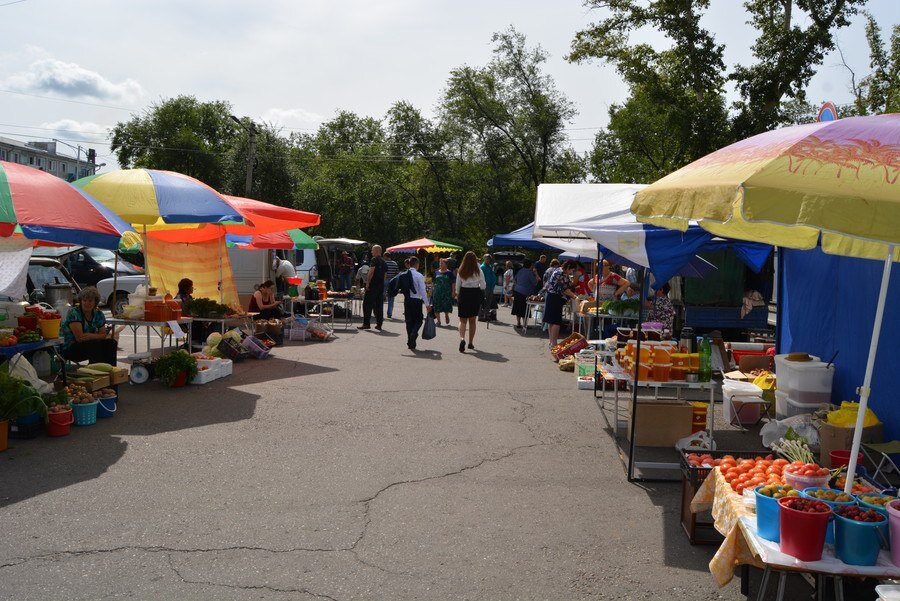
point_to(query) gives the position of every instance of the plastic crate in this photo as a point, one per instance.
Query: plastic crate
(696, 475)
(25, 431)
(255, 347)
(232, 350)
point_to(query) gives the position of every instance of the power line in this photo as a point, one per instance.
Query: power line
(69, 100)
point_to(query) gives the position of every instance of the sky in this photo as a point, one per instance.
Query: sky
(71, 69)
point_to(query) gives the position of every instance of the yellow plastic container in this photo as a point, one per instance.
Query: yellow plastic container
(680, 360)
(50, 328)
(695, 360)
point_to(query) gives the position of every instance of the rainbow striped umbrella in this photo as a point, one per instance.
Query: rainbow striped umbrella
(150, 197)
(43, 207)
(426, 244)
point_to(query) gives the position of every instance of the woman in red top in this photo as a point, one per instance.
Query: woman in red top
(264, 302)
(608, 278)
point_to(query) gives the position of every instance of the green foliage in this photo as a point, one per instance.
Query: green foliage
(18, 398)
(792, 40)
(879, 91)
(205, 307)
(180, 134)
(168, 367)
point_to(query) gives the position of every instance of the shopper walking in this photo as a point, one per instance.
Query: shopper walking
(413, 303)
(373, 301)
(392, 269)
(470, 287)
(508, 284)
(558, 290)
(490, 282)
(442, 296)
(526, 284)
(345, 271)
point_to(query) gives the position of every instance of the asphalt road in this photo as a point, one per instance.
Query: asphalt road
(353, 469)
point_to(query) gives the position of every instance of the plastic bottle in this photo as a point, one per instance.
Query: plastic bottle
(705, 374)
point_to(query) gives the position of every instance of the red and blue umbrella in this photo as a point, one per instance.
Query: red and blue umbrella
(47, 208)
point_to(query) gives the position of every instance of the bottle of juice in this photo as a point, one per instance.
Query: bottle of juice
(705, 374)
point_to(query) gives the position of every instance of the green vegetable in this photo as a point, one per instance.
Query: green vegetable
(18, 398)
(206, 307)
(168, 367)
(104, 367)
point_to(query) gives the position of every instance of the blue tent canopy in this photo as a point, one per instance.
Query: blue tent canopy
(521, 238)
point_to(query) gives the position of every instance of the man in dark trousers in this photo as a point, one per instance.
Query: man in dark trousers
(374, 297)
(413, 303)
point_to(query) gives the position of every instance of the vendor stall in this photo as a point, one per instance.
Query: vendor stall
(159, 329)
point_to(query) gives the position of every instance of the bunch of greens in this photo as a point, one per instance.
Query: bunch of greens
(168, 367)
(18, 398)
(206, 307)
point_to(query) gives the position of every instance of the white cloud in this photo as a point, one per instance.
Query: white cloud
(70, 80)
(81, 131)
(293, 118)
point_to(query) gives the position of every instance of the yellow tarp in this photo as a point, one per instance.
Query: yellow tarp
(169, 262)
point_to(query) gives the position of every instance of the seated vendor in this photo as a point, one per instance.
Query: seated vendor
(85, 333)
(185, 290)
(661, 308)
(264, 302)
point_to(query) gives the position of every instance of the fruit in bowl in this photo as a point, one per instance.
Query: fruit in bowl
(829, 494)
(880, 500)
(777, 491)
(799, 468)
(859, 514)
(805, 505)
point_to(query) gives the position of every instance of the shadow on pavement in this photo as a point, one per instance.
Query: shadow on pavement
(254, 371)
(40, 465)
(494, 357)
(425, 354)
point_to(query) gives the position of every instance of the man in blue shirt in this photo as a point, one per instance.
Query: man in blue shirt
(490, 280)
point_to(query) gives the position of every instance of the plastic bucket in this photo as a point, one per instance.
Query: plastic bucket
(842, 459)
(829, 535)
(31, 419)
(857, 543)
(885, 529)
(29, 322)
(893, 509)
(802, 533)
(107, 406)
(60, 424)
(85, 413)
(768, 524)
(661, 371)
(50, 328)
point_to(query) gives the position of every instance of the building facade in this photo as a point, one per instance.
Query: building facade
(44, 156)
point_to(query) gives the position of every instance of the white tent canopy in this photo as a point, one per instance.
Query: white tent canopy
(580, 216)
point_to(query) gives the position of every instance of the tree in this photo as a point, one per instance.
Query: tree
(513, 103)
(879, 91)
(676, 111)
(786, 54)
(273, 175)
(179, 134)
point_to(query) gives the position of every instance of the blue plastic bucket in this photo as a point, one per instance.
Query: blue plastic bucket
(829, 534)
(107, 406)
(857, 543)
(85, 413)
(31, 419)
(885, 528)
(768, 523)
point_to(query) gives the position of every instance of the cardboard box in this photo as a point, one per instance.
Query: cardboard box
(739, 376)
(661, 423)
(834, 438)
(751, 362)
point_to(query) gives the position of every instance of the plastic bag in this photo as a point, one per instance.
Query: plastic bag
(845, 417)
(698, 441)
(765, 380)
(802, 424)
(21, 368)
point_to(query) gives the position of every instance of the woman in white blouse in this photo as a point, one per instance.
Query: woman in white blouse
(470, 286)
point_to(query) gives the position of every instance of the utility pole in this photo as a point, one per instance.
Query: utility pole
(77, 150)
(251, 154)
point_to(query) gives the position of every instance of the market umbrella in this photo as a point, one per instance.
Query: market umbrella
(43, 207)
(289, 240)
(836, 181)
(150, 197)
(426, 244)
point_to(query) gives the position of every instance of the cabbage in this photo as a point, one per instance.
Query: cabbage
(234, 334)
(214, 339)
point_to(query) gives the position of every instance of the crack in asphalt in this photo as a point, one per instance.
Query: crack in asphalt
(265, 587)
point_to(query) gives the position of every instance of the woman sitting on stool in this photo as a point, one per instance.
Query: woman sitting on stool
(264, 302)
(85, 333)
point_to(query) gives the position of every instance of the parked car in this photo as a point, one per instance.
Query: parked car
(47, 270)
(90, 265)
(125, 285)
